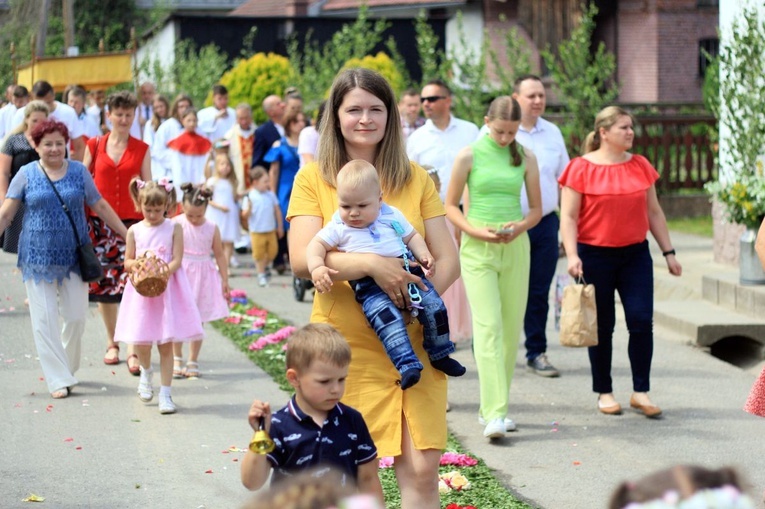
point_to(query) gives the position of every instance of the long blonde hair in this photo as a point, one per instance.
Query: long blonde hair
(605, 119)
(31, 107)
(390, 159)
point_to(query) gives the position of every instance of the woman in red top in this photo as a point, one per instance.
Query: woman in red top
(608, 204)
(114, 159)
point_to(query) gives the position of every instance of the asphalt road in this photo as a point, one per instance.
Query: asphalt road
(102, 447)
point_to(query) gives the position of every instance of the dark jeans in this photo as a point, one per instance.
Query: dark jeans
(629, 271)
(388, 323)
(544, 258)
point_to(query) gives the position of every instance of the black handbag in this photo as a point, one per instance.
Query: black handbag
(91, 270)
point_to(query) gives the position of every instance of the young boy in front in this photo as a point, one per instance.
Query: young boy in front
(314, 428)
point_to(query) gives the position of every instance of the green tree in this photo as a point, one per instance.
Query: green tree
(194, 70)
(584, 79)
(433, 61)
(253, 79)
(517, 61)
(741, 92)
(471, 87)
(315, 66)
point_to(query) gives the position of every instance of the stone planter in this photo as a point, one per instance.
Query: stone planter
(751, 272)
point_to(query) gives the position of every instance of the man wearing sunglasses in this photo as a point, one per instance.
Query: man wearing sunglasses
(443, 135)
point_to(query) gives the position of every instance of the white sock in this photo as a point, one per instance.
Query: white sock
(164, 390)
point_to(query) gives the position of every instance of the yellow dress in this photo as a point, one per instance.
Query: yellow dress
(372, 386)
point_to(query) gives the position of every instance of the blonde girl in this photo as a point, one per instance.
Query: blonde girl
(208, 279)
(494, 252)
(223, 210)
(169, 317)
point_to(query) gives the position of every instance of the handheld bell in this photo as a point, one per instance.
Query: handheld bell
(261, 443)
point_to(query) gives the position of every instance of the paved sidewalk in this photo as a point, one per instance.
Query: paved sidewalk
(565, 454)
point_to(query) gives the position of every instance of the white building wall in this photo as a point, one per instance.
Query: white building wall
(472, 31)
(159, 48)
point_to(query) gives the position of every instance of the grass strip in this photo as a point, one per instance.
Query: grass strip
(485, 492)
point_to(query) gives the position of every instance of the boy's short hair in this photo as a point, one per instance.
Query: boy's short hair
(257, 172)
(358, 173)
(317, 341)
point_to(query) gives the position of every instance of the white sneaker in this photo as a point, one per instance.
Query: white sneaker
(262, 280)
(495, 429)
(145, 389)
(509, 423)
(166, 405)
(233, 262)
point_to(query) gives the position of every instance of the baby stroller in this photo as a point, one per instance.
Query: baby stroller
(300, 286)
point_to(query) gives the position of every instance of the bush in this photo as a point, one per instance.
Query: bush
(255, 78)
(383, 64)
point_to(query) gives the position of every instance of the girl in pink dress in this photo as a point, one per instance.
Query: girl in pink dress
(209, 287)
(171, 316)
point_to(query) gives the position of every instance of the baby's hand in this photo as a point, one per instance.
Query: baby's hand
(322, 278)
(428, 265)
(260, 410)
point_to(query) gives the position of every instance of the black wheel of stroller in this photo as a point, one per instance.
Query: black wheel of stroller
(298, 288)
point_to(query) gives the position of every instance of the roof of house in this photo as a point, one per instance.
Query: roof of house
(333, 5)
(279, 7)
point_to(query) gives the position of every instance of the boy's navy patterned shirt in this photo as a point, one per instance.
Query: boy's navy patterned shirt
(343, 442)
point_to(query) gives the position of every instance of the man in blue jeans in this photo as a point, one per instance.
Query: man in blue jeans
(545, 140)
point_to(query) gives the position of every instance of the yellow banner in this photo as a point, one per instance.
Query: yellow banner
(90, 71)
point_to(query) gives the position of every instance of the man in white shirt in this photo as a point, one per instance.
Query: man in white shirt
(216, 120)
(76, 99)
(545, 140)
(19, 99)
(146, 93)
(438, 141)
(64, 113)
(97, 104)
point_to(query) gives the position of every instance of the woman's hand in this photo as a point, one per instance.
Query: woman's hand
(575, 266)
(485, 234)
(674, 266)
(393, 279)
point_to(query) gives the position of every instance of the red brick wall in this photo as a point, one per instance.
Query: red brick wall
(637, 55)
(679, 35)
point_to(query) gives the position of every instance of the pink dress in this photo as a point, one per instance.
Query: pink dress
(455, 300)
(170, 317)
(200, 268)
(755, 404)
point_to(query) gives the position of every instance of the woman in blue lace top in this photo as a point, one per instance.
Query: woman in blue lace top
(48, 250)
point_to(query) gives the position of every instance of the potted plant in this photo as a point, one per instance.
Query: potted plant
(743, 199)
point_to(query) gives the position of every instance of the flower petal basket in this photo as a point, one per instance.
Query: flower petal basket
(149, 275)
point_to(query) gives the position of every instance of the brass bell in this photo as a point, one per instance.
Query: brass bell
(261, 443)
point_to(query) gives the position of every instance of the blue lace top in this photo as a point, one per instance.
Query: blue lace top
(47, 250)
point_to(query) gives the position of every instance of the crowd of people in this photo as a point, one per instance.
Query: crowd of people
(417, 232)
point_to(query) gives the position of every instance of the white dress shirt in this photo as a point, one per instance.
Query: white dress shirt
(63, 113)
(546, 141)
(6, 119)
(215, 128)
(429, 145)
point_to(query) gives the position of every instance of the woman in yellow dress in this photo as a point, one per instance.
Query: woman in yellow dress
(362, 122)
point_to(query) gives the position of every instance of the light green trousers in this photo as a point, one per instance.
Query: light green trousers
(496, 278)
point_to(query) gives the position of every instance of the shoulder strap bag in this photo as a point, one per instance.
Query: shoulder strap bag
(90, 266)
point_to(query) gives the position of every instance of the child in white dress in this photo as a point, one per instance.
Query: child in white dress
(208, 277)
(223, 209)
(169, 317)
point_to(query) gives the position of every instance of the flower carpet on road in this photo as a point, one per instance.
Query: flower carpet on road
(465, 482)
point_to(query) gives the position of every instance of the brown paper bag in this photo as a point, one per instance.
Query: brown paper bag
(579, 317)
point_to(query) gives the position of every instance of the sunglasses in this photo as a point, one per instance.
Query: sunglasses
(432, 98)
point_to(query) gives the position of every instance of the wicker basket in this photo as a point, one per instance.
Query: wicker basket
(149, 275)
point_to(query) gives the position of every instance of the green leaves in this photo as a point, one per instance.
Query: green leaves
(584, 80)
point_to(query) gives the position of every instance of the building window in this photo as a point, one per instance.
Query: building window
(708, 48)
